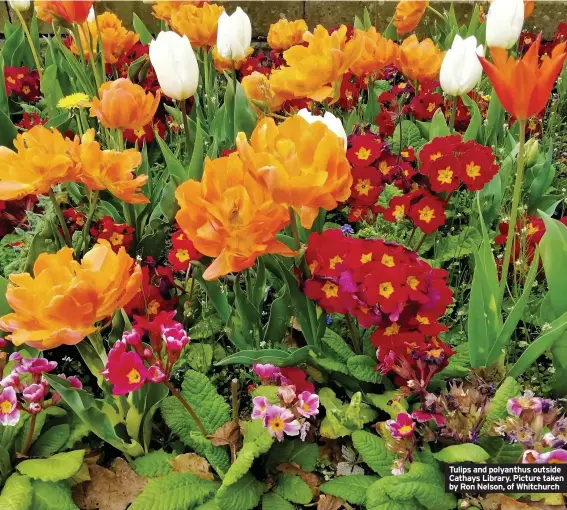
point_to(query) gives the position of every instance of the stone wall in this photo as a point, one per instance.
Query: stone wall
(547, 14)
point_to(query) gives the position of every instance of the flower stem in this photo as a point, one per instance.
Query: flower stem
(176, 393)
(60, 217)
(294, 229)
(92, 208)
(454, 102)
(419, 245)
(437, 13)
(90, 42)
(353, 334)
(183, 108)
(235, 400)
(30, 41)
(29, 437)
(514, 212)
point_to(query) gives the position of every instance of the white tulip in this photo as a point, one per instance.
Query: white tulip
(504, 23)
(461, 69)
(332, 122)
(91, 15)
(175, 65)
(20, 5)
(234, 35)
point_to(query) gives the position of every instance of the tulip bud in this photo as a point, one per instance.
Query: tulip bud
(332, 122)
(175, 65)
(91, 16)
(20, 5)
(234, 35)
(504, 23)
(461, 69)
(532, 151)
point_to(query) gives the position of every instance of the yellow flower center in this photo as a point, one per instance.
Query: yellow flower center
(430, 107)
(276, 424)
(363, 186)
(384, 168)
(134, 376)
(182, 255)
(363, 153)
(412, 282)
(139, 132)
(25, 89)
(334, 261)
(6, 407)
(473, 171)
(386, 289)
(80, 221)
(399, 212)
(422, 320)
(331, 290)
(445, 175)
(10, 80)
(435, 156)
(366, 257)
(153, 307)
(405, 429)
(392, 329)
(532, 229)
(388, 260)
(116, 239)
(426, 214)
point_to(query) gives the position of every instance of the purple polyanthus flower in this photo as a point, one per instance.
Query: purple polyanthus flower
(554, 457)
(280, 421)
(34, 366)
(34, 392)
(174, 337)
(261, 405)
(527, 402)
(9, 412)
(267, 372)
(308, 404)
(74, 382)
(13, 380)
(402, 427)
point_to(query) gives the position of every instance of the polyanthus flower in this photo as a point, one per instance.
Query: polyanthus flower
(117, 234)
(9, 411)
(537, 80)
(284, 34)
(64, 299)
(266, 372)
(280, 421)
(124, 105)
(230, 215)
(420, 60)
(408, 14)
(116, 39)
(428, 214)
(315, 71)
(296, 377)
(34, 366)
(377, 53)
(308, 404)
(125, 370)
(287, 394)
(198, 23)
(182, 252)
(260, 407)
(402, 427)
(35, 392)
(111, 170)
(527, 402)
(303, 165)
(71, 11)
(174, 337)
(42, 159)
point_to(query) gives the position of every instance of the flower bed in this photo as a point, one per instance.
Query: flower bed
(309, 275)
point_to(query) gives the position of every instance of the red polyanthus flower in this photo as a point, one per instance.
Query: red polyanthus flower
(424, 105)
(327, 252)
(22, 82)
(182, 252)
(428, 214)
(125, 370)
(117, 234)
(75, 219)
(349, 92)
(293, 376)
(478, 167)
(145, 134)
(386, 122)
(386, 288)
(438, 147)
(366, 186)
(364, 150)
(397, 209)
(388, 166)
(444, 174)
(30, 120)
(330, 296)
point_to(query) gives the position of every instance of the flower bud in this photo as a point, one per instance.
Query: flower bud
(461, 69)
(234, 35)
(532, 151)
(20, 5)
(504, 23)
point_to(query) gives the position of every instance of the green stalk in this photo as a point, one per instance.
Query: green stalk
(514, 212)
(30, 41)
(294, 229)
(183, 109)
(175, 392)
(86, 227)
(61, 218)
(453, 114)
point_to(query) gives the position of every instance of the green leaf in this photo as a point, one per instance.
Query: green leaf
(52, 496)
(257, 440)
(58, 467)
(51, 441)
(476, 120)
(364, 369)
(276, 357)
(438, 125)
(17, 494)
(305, 455)
(197, 156)
(553, 248)
(199, 356)
(242, 495)
(351, 488)
(271, 501)
(501, 451)
(175, 491)
(8, 131)
(510, 388)
(4, 306)
(51, 89)
(206, 328)
(215, 293)
(389, 402)
(281, 310)
(153, 464)
(142, 30)
(337, 345)
(467, 452)
(173, 165)
(373, 451)
(410, 136)
(294, 489)
(494, 120)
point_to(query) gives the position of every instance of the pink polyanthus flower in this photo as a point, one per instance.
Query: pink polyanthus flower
(174, 337)
(531, 457)
(402, 427)
(287, 394)
(423, 417)
(134, 337)
(554, 457)
(279, 421)
(304, 430)
(12, 380)
(73, 381)
(267, 372)
(34, 392)
(156, 374)
(35, 408)
(527, 402)
(9, 412)
(125, 371)
(261, 405)
(308, 404)
(32, 365)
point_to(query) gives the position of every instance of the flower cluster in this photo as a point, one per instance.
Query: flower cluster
(117, 234)
(145, 354)
(23, 83)
(297, 403)
(182, 251)
(25, 389)
(381, 284)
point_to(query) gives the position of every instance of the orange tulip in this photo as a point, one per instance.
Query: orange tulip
(124, 105)
(304, 165)
(222, 64)
(71, 11)
(42, 159)
(316, 71)
(529, 6)
(199, 24)
(408, 14)
(284, 34)
(257, 88)
(420, 60)
(116, 39)
(523, 86)
(63, 301)
(230, 215)
(111, 170)
(377, 53)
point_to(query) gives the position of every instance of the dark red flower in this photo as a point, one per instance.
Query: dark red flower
(386, 122)
(428, 214)
(117, 234)
(424, 105)
(444, 174)
(296, 377)
(30, 120)
(364, 150)
(478, 167)
(366, 186)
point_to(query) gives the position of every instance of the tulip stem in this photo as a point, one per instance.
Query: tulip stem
(514, 212)
(454, 102)
(86, 227)
(183, 108)
(30, 41)
(90, 42)
(294, 229)
(61, 218)
(177, 394)
(437, 13)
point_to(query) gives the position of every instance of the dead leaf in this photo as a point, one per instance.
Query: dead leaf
(228, 435)
(328, 502)
(503, 502)
(192, 463)
(107, 489)
(309, 478)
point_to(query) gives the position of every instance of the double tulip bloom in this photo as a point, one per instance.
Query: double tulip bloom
(461, 69)
(284, 34)
(377, 53)
(198, 23)
(420, 60)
